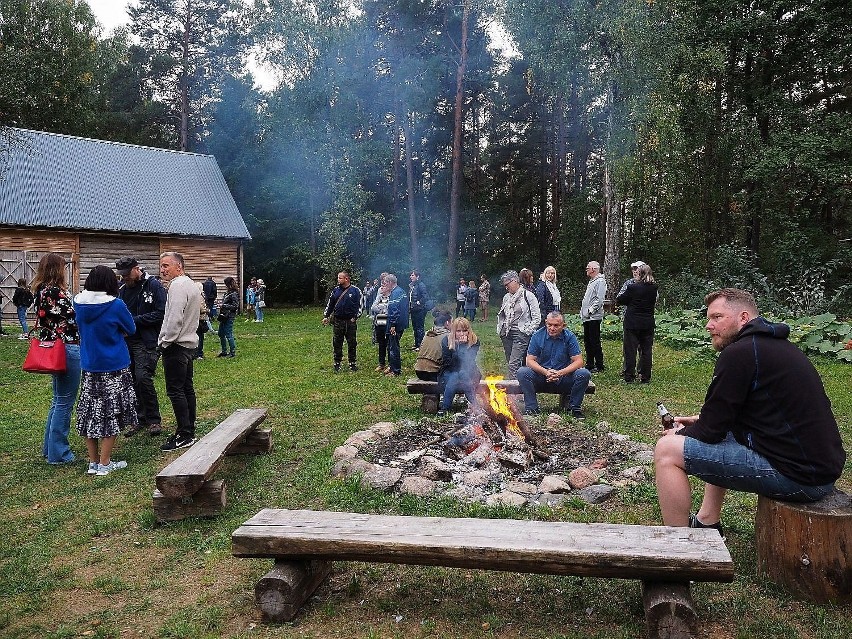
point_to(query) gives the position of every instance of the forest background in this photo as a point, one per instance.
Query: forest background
(711, 139)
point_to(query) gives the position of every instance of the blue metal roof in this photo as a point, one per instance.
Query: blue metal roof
(62, 181)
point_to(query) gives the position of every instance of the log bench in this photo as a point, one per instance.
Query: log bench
(184, 488)
(807, 548)
(431, 397)
(303, 543)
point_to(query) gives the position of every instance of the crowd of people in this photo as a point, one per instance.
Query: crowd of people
(766, 425)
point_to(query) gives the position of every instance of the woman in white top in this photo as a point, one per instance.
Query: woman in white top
(549, 299)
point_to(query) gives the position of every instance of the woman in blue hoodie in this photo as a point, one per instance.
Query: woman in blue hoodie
(107, 400)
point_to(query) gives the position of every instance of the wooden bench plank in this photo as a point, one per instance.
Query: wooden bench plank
(416, 386)
(186, 474)
(561, 548)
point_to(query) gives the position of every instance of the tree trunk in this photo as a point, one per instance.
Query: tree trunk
(412, 214)
(455, 192)
(612, 210)
(184, 80)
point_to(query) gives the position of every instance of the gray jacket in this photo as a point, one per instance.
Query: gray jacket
(592, 307)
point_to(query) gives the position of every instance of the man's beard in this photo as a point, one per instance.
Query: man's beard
(724, 341)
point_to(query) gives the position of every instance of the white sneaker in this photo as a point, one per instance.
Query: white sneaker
(93, 468)
(23, 336)
(111, 466)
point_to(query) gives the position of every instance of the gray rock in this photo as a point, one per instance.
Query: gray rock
(435, 469)
(419, 486)
(522, 488)
(478, 478)
(361, 438)
(595, 494)
(554, 420)
(550, 499)
(349, 467)
(554, 484)
(380, 477)
(466, 493)
(636, 473)
(644, 457)
(506, 498)
(344, 452)
(384, 429)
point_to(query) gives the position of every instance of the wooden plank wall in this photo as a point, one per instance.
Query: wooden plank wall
(202, 258)
(107, 249)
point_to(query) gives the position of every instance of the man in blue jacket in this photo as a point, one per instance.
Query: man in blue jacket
(397, 323)
(145, 298)
(344, 307)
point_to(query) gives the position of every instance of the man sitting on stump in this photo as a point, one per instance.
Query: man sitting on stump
(554, 365)
(766, 425)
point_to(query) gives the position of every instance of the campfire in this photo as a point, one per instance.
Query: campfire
(492, 454)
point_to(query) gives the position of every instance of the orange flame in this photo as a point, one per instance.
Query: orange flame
(500, 402)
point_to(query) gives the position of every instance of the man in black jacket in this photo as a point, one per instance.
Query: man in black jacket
(766, 425)
(418, 298)
(345, 305)
(145, 298)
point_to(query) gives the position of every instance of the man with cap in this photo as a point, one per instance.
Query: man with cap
(145, 298)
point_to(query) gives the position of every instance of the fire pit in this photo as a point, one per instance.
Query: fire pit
(492, 454)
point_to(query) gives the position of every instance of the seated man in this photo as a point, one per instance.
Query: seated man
(428, 363)
(554, 365)
(766, 425)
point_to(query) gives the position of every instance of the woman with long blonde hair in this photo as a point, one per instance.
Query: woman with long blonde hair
(459, 371)
(56, 321)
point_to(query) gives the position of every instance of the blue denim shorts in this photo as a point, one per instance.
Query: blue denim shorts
(729, 464)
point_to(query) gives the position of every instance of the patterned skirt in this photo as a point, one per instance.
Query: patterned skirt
(107, 404)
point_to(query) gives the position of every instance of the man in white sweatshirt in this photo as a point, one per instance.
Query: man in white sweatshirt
(178, 341)
(592, 313)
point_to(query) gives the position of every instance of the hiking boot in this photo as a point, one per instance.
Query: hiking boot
(177, 441)
(695, 522)
(154, 430)
(132, 430)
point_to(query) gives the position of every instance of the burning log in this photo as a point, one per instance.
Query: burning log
(496, 398)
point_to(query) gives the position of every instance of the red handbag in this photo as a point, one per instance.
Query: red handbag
(45, 357)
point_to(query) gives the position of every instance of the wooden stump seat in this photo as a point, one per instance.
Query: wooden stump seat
(431, 397)
(304, 542)
(807, 548)
(184, 487)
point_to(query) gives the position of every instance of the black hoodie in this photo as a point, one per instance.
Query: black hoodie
(768, 394)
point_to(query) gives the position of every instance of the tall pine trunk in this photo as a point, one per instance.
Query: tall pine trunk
(412, 215)
(455, 191)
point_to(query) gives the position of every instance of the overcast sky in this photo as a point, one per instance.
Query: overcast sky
(110, 13)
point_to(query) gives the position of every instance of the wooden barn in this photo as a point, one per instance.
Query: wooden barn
(95, 201)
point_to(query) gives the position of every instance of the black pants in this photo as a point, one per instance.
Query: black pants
(592, 340)
(382, 342)
(642, 341)
(143, 363)
(177, 370)
(418, 324)
(345, 329)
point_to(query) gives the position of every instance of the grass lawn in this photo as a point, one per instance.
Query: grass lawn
(81, 556)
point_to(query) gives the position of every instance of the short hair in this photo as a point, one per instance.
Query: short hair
(594, 265)
(22, 282)
(734, 297)
(102, 278)
(555, 315)
(415, 272)
(441, 316)
(510, 276)
(390, 278)
(174, 255)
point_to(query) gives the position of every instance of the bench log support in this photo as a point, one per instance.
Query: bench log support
(208, 501)
(284, 589)
(807, 548)
(669, 611)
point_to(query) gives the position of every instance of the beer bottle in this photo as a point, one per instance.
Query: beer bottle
(665, 416)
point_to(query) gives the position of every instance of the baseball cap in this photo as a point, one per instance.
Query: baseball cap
(637, 264)
(125, 265)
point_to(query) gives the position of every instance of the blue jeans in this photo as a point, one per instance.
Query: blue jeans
(729, 464)
(177, 371)
(55, 447)
(394, 357)
(226, 336)
(418, 325)
(22, 318)
(453, 382)
(258, 313)
(470, 314)
(573, 384)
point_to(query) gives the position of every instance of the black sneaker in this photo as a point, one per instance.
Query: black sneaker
(177, 441)
(337, 367)
(222, 355)
(576, 413)
(353, 366)
(694, 522)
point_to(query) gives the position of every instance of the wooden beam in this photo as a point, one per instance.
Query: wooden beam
(208, 501)
(656, 553)
(669, 611)
(256, 442)
(282, 591)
